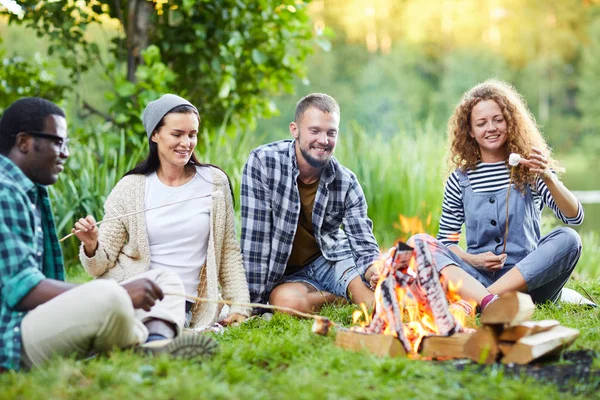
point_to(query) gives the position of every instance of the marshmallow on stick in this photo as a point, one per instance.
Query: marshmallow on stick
(514, 159)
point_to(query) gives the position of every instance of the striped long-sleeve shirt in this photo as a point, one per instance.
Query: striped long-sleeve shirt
(489, 177)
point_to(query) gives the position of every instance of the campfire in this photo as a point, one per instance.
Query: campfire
(419, 315)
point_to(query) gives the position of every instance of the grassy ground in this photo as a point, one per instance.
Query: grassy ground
(282, 358)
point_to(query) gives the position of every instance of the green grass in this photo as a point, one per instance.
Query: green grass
(282, 359)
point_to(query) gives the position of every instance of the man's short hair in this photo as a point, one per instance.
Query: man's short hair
(320, 101)
(25, 115)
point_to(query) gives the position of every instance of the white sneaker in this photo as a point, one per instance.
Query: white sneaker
(185, 346)
(570, 296)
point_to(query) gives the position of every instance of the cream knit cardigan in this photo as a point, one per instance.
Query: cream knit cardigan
(123, 249)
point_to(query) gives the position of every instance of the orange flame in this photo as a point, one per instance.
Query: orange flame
(409, 226)
(417, 319)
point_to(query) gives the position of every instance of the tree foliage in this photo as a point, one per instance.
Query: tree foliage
(229, 57)
(20, 78)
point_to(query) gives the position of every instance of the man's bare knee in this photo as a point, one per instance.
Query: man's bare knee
(291, 297)
(293, 303)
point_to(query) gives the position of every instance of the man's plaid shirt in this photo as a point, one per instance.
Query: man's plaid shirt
(270, 211)
(29, 252)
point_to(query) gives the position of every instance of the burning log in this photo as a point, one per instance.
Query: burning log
(393, 310)
(431, 287)
(510, 309)
(401, 258)
(527, 328)
(442, 347)
(380, 345)
(535, 346)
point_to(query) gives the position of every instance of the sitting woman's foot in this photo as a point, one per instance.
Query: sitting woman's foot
(570, 296)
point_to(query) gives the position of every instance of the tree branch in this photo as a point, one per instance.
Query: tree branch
(93, 110)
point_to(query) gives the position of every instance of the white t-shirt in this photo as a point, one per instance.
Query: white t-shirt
(178, 234)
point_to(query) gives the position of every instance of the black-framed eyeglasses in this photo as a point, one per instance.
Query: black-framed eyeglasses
(62, 143)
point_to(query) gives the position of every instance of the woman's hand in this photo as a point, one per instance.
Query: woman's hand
(538, 163)
(233, 319)
(488, 261)
(86, 230)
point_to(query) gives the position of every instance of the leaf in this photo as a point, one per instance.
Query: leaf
(151, 54)
(226, 86)
(258, 57)
(126, 89)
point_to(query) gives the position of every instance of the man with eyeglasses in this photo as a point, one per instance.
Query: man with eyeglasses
(40, 314)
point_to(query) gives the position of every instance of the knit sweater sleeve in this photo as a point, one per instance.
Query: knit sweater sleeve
(232, 277)
(112, 235)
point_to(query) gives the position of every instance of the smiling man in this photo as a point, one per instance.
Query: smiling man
(306, 237)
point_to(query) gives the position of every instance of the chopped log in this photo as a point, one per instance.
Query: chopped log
(444, 347)
(505, 347)
(511, 309)
(527, 328)
(535, 346)
(482, 346)
(380, 345)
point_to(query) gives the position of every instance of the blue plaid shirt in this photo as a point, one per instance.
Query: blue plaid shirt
(270, 211)
(29, 252)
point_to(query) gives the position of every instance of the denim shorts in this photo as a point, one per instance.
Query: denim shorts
(325, 275)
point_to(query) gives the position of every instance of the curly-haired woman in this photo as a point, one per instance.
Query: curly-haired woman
(491, 122)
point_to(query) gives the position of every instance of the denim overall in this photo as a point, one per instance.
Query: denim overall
(545, 263)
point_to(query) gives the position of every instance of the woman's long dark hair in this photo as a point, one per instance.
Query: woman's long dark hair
(151, 163)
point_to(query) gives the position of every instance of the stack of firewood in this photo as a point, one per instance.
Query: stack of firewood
(508, 336)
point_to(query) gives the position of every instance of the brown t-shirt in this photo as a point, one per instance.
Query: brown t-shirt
(305, 248)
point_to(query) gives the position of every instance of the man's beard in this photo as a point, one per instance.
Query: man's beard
(313, 162)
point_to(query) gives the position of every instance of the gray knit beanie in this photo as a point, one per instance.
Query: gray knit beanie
(157, 109)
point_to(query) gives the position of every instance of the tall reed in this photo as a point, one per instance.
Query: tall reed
(400, 175)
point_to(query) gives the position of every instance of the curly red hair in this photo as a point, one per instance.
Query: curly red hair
(522, 130)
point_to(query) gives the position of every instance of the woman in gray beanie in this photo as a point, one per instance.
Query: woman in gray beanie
(194, 239)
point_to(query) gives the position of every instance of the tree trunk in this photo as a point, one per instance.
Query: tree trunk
(138, 23)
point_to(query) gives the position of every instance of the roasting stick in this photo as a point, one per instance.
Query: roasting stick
(254, 305)
(513, 161)
(138, 212)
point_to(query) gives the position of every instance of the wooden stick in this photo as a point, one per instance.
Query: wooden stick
(257, 305)
(507, 198)
(137, 212)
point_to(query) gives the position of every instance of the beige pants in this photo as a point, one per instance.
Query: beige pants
(96, 316)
